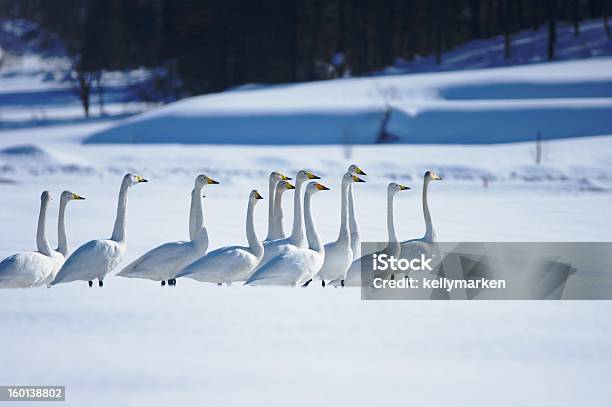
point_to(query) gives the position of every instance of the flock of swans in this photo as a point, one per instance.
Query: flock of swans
(294, 260)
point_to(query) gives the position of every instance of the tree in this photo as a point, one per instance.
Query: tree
(576, 14)
(552, 28)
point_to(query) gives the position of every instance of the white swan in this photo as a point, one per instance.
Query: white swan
(353, 275)
(95, 259)
(163, 262)
(275, 210)
(297, 239)
(430, 234)
(353, 224)
(300, 265)
(339, 254)
(232, 263)
(30, 269)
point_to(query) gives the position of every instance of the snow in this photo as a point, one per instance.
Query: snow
(559, 100)
(133, 342)
(527, 47)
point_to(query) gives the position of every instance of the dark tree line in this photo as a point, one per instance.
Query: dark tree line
(215, 44)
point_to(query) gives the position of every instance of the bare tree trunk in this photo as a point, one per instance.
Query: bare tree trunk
(100, 92)
(606, 11)
(576, 16)
(552, 28)
(506, 11)
(84, 80)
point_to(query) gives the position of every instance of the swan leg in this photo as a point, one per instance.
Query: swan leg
(323, 283)
(90, 283)
(219, 284)
(306, 283)
(172, 282)
(163, 283)
(100, 283)
(342, 283)
(392, 276)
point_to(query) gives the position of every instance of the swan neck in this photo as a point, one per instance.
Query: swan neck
(41, 235)
(196, 214)
(272, 189)
(277, 219)
(314, 240)
(297, 233)
(255, 246)
(343, 235)
(119, 231)
(429, 231)
(353, 225)
(62, 237)
(391, 218)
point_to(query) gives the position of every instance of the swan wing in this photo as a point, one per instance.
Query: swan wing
(92, 260)
(224, 265)
(25, 270)
(338, 258)
(275, 248)
(162, 262)
(289, 268)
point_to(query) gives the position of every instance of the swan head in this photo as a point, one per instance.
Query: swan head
(45, 197)
(131, 179)
(277, 176)
(255, 196)
(353, 169)
(70, 196)
(394, 187)
(202, 180)
(432, 176)
(304, 175)
(284, 186)
(314, 187)
(349, 177)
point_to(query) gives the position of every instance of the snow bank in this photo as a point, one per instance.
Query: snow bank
(560, 100)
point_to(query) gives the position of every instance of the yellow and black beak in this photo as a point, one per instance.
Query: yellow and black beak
(310, 175)
(258, 195)
(285, 178)
(140, 179)
(359, 171)
(357, 179)
(78, 197)
(321, 187)
(403, 187)
(290, 185)
(437, 177)
(211, 181)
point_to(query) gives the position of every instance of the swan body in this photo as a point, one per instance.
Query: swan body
(96, 258)
(163, 262)
(339, 254)
(275, 210)
(301, 264)
(353, 224)
(297, 239)
(30, 269)
(232, 263)
(353, 275)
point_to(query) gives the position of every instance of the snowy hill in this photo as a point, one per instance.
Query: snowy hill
(527, 47)
(559, 100)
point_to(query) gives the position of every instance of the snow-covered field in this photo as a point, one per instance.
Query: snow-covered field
(133, 342)
(500, 105)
